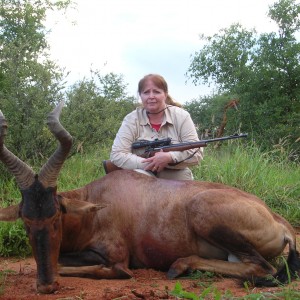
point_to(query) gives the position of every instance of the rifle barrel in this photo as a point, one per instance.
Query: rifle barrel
(201, 143)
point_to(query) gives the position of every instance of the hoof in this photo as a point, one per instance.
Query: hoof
(268, 281)
(48, 288)
(172, 274)
(122, 274)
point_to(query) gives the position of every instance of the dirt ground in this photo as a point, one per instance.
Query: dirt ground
(18, 282)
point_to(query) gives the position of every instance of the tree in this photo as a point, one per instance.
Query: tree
(29, 81)
(263, 71)
(224, 59)
(95, 109)
(31, 84)
(208, 114)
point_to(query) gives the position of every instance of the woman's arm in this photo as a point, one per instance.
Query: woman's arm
(121, 154)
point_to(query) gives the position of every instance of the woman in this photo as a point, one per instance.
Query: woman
(159, 117)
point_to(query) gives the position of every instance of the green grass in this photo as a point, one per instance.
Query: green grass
(13, 240)
(3, 277)
(212, 293)
(81, 169)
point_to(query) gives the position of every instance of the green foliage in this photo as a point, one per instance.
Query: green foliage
(95, 109)
(262, 71)
(13, 240)
(286, 14)
(83, 168)
(208, 293)
(3, 277)
(208, 115)
(224, 59)
(30, 83)
(179, 292)
(211, 292)
(201, 275)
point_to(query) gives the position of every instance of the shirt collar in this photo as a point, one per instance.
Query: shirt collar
(144, 120)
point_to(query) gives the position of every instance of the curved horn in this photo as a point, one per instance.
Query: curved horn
(22, 172)
(49, 172)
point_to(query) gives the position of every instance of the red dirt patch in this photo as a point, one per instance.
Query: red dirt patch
(19, 283)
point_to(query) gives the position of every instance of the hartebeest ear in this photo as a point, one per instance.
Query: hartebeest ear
(77, 206)
(10, 213)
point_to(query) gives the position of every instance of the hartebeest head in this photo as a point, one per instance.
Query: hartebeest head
(40, 208)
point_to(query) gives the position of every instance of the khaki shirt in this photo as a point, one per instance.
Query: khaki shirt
(177, 125)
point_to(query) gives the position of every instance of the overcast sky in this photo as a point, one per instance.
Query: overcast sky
(137, 37)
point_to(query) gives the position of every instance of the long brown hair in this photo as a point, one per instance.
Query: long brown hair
(161, 83)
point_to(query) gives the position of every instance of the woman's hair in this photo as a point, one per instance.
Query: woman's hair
(161, 83)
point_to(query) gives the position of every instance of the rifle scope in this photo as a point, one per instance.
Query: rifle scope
(152, 144)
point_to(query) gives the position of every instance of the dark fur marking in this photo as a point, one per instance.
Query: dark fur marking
(38, 202)
(158, 255)
(232, 241)
(88, 257)
(41, 240)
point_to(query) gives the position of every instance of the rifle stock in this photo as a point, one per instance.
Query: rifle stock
(109, 166)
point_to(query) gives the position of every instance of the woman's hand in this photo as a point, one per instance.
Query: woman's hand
(158, 162)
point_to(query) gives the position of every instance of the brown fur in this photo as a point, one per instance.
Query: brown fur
(175, 226)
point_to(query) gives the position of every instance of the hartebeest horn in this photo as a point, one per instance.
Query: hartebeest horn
(23, 173)
(49, 172)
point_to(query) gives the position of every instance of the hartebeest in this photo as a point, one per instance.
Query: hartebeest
(129, 220)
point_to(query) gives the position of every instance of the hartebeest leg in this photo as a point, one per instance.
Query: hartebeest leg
(87, 257)
(93, 264)
(118, 271)
(236, 269)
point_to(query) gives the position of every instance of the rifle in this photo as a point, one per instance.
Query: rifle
(151, 147)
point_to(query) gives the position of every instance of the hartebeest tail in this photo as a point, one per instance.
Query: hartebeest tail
(288, 271)
(291, 270)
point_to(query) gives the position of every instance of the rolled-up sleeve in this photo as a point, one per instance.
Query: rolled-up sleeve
(186, 133)
(121, 154)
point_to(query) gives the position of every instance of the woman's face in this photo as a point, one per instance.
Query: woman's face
(153, 98)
